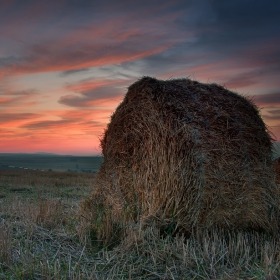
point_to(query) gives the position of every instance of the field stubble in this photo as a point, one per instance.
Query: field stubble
(43, 236)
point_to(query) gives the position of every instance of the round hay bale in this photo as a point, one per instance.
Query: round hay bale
(185, 155)
(276, 166)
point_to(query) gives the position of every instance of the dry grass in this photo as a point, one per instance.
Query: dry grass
(42, 237)
(213, 255)
(38, 220)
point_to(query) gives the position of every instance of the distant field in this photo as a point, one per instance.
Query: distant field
(89, 164)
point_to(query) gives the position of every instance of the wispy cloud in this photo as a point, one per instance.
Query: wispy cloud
(268, 99)
(24, 98)
(7, 118)
(73, 72)
(97, 43)
(93, 93)
(66, 60)
(274, 112)
(11, 92)
(242, 80)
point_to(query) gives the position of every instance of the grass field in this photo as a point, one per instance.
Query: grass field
(42, 236)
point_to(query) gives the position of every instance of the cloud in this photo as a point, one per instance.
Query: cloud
(86, 57)
(66, 122)
(94, 93)
(12, 117)
(100, 35)
(272, 99)
(6, 101)
(194, 33)
(93, 123)
(230, 33)
(274, 112)
(11, 98)
(10, 92)
(93, 43)
(242, 80)
(68, 60)
(249, 67)
(230, 26)
(11, 102)
(272, 115)
(73, 72)
(47, 124)
(61, 131)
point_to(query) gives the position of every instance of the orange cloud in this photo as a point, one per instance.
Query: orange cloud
(88, 85)
(16, 119)
(86, 47)
(5, 100)
(91, 93)
(82, 146)
(15, 98)
(93, 57)
(63, 131)
(268, 99)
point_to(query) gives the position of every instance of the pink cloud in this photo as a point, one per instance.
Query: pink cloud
(80, 146)
(88, 85)
(5, 101)
(87, 46)
(22, 98)
(93, 92)
(262, 53)
(101, 41)
(93, 56)
(72, 131)
(269, 99)
(17, 118)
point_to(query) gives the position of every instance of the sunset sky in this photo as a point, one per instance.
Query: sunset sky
(66, 64)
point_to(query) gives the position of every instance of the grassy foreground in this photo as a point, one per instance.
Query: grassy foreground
(42, 236)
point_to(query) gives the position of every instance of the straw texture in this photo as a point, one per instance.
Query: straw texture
(276, 165)
(184, 155)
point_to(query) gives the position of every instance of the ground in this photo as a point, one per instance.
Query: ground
(42, 236)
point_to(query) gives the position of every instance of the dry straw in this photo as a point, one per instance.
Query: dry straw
(276, 165)
(184, 155)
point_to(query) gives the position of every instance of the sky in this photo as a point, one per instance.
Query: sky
(65, 65)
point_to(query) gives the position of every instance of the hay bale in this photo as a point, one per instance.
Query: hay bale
(186, 155)
(276, 166)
